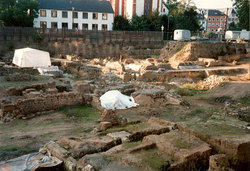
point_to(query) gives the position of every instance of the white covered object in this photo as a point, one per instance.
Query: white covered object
(182, 35)
(133, 67)
(50, 71)
(28, 57)
(115, 100)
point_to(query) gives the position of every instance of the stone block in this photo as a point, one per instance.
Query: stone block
(105, 125)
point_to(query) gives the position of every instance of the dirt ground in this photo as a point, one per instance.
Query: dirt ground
(24, 136)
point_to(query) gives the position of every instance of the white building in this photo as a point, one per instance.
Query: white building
(128, 8)
(232, 15)
(76, 14)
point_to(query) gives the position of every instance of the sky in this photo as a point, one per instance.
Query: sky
(213, 4)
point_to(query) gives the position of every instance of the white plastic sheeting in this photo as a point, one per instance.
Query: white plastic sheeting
(50, 71)
(31, 162)
(115, 100)
(28, 57)
(133, 67)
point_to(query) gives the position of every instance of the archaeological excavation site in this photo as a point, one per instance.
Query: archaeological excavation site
(122, 101)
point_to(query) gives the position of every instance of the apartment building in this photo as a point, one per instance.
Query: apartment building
(75, 14)
(216, 20)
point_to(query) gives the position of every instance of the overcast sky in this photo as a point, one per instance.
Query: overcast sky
(213, 3)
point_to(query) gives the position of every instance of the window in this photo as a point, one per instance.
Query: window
(75, 14)
(64, 14)
(85, 15)
(43, 24)
(64, 25)
(208, 29)
(217, 19)
(104, 27)
(75, 26)
(212, 24)
(212, 29)
(221, 19)
(95, 16)
(54, 14)
(85, 26)
(208, 24)
(213, 19)
(221, 24)
(104, 16)
(42, 13)
(54, 25)
(217, 25)
(209, 19)
(94, 26)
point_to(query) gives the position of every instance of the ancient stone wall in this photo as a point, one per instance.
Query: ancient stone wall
(22, 107)
(88, 44)
(5, 71)
(29, 100)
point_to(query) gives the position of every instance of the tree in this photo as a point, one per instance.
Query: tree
(183, 14)
(18, 13)
(140, 23)
(187, 20)
(155, 21)
(121, 23)
(242, 8)
(233, 26)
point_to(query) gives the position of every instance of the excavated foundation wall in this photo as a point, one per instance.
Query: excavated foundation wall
(44, 97)
(191, 51)
(87, 44)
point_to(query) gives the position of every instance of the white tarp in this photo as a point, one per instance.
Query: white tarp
(50, 71)
(28, 57)
(115, 100)
(133, 67)
(30, 162)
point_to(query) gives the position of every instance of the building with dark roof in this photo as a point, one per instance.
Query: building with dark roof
(216, 20)
(75, 14)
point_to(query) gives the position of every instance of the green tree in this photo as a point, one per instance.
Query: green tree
(233, 26)
(155, 21)
(18, 13)
(183, 14)
(140, 23)
(242, 8)
(121, 23)
(187, 20)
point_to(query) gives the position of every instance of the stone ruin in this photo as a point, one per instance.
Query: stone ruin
(119, 142)
(26, 101)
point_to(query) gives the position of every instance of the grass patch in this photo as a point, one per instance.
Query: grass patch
(199, 112)
(129, 128)
(9, 148)
(182, 144)
(189, 91)
(244, 100)
(155, 159)
(131, 144)
(82, 113)
(220, 129)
